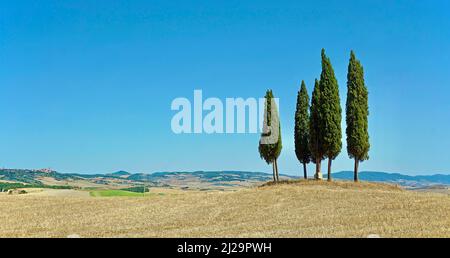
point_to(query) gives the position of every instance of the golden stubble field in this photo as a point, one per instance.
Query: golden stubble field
(302, 209)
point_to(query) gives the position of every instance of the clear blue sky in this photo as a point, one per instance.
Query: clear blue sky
(86, 86)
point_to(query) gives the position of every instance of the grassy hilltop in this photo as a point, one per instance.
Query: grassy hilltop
(301, 209)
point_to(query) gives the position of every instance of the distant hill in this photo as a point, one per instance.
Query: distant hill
(30, 176)
(211, 176)
(200, 179)
(396, 178)
(120, 173)
(205, 180)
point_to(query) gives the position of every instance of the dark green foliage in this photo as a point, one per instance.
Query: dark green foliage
(52, 186)
(7, 186)
(330, 110)
(357, 112)
(279, 144)
(301, 131)
(267, 151)
(271, 152)
(315, 134)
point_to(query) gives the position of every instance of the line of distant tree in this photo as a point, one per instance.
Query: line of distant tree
(317, 130)
(137, 189)
(10, 186)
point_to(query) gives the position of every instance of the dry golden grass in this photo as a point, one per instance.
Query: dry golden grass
(45, 192)
(300, 209)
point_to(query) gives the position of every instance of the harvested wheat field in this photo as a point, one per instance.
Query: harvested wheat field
(301, 209)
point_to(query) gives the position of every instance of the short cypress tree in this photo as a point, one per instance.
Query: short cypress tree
(301, 131)
(269, 148)
(315, 134)
(330, 112)
(357, 112)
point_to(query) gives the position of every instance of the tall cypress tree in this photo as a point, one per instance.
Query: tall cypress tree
(357, 112)
(330, 112)
(315, 134)
(301, 131)
(270, 144)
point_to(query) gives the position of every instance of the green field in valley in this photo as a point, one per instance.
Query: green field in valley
(113, 193)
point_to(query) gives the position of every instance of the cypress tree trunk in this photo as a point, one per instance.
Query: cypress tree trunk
(276, 169)
(318, 164)
(356, 169)
(329, 169)
(273, 169)
(305, 174)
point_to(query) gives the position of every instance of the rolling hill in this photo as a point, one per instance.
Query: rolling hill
(205, 180)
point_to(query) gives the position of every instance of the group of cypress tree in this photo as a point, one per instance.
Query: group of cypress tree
(318, 127)
(317, 132)
(325, 121)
